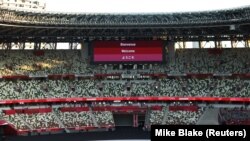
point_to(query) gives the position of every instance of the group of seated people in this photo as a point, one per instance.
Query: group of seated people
(59, 119)
(222, 61)
(74, 118)
(180, 117)
(61, 62)
(23, 62)
(39, 89)
(20, 62)
(15, 120)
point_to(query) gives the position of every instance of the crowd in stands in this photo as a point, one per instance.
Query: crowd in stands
(15, 120)
(59, 119)
(61, 62)
(156, 117)
(222, 61)
(79, 117)
(104, 118)
(180, 117)
(183, 117)
(18, 62)
(46, 89)
(76, 119)
(205, 87)
(40, 120)
(38, 89)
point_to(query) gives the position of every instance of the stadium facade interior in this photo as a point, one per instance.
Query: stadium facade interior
(122, 70)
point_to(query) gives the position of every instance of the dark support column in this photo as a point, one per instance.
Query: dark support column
(201, 44)
(55, 45)
(247, 45)
(215, 44)
(39, 45)
(219, 44)
(9, 46)
(36, 46)
(170, 55)
(85, 50)
(71, 45)
(184, 44)
(233, 44)
(23, 45)
(135, 120)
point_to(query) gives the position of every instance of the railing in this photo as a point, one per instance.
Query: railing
(136, 99)
(150, 75)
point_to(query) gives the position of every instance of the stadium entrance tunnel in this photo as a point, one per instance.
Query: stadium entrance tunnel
(129, 119)
(123, 119)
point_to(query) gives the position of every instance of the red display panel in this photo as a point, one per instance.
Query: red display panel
(128, 51)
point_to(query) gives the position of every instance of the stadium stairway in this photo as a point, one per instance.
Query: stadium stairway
(93, 117)
(209, 117)
(59, 121)
(28, 125)
(165, 115)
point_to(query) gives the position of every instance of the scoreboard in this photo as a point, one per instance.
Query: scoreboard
(127, 51)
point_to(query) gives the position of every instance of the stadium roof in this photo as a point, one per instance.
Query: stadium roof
(186, 18)
(227, 24)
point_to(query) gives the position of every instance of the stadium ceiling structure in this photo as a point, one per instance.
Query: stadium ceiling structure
(27, 26)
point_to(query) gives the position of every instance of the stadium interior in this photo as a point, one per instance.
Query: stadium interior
(122, 71)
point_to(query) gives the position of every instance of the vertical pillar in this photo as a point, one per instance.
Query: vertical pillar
(75, 46)
(171, 52)
(120, 66)
(184, 44)
(23, 45)
(85, 50)
(135, 66)
(135, 120)
(36, 46)
(215, 44)
(219, 44)
(247, 44)
(39, 45)
(9, 46)
(71, 45)
(201, 44)
(233, 44)
(150, 66)
(53, 45)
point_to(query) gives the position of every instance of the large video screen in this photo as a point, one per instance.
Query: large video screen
(127, 51)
